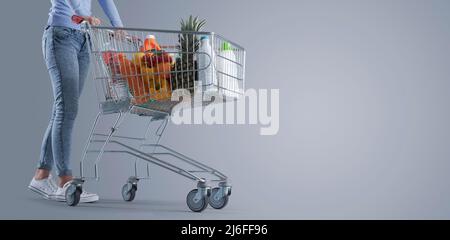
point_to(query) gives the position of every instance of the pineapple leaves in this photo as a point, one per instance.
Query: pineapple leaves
(188, 45)
(192, 24)
(189, 42)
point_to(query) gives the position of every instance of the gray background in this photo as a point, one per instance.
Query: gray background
(364, 126)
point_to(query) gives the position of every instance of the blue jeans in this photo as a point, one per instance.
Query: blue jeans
(66, 54)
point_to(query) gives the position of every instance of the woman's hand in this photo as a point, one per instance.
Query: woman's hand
(93, 20)
(121, 34)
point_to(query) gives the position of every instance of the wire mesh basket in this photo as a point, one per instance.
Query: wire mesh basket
(144, 67)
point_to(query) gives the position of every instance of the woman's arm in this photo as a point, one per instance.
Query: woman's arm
(110, 10)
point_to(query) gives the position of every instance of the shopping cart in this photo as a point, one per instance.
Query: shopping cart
(132, 81)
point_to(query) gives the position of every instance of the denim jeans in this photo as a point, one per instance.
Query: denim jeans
(66, 54)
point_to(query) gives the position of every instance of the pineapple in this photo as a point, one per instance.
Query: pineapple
(185, 66)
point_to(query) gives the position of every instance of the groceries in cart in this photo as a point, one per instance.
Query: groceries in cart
(146, 71)
(145, 76)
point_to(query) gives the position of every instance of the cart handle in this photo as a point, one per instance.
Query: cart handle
(80, 20)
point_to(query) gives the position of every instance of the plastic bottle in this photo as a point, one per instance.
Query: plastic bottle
(228, 66)
(151, 44)
(206, 73)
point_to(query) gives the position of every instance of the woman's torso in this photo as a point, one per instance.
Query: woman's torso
(61, 12)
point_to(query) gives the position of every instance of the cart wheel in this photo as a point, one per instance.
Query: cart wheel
(73, 194)
(196, 206)
(127, 193)
(217, 203)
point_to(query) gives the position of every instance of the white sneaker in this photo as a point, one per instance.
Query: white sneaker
(45, 187)
(86, 197)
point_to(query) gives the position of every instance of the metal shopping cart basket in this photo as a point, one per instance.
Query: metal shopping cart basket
(136, 71)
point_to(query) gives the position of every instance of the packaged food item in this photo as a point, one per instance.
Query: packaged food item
(162, 89)
(146, 75)
(163, 70)
(137, 58)
(141, 86)
(151, 44)
(160, 61)
(151, 59)
(206, 72)
(227, 64)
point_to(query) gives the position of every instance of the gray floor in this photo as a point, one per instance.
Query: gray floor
(118, 209)
(160, 200)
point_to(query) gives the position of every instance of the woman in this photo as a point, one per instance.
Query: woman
(66, 54)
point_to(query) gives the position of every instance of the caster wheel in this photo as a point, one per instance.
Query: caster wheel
(217, 203)
(73, 194)
(198, 206)
(128, 193)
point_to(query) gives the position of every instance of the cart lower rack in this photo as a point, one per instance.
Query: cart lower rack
(136, 71)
